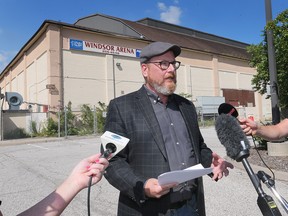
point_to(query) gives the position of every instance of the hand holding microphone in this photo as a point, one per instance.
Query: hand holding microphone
(111, 144)
(237, 147)
(248, 126)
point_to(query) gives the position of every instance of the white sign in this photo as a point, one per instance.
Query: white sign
(103, 48)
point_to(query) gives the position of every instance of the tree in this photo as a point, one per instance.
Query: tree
(87, 119)
(259, 58)
(100, 111)
(70, 120)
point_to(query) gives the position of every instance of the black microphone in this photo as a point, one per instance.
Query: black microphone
(237, 147)
(110, 149)
(226, 108)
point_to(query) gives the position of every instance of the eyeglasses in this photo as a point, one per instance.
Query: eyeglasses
(164, 65)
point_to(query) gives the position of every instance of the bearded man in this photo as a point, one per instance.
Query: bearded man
(164, 136)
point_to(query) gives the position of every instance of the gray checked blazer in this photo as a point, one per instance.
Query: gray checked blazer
(145, 157)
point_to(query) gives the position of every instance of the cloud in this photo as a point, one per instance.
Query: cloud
(162, 6)
(170, 14)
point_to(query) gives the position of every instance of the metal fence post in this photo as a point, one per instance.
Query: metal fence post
(65, 124)
(59, 135)
(31, 124)
(94, 120)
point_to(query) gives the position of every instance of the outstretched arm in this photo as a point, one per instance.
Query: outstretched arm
(55, 203)
(268, 132)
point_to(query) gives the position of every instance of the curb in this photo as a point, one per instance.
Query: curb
(42, 140)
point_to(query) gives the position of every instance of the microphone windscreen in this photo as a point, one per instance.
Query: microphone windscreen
(226, 108)
(230, 134)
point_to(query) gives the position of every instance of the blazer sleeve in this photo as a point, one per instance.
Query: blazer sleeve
(119, 173)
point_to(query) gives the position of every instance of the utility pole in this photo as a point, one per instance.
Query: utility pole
(272, 67)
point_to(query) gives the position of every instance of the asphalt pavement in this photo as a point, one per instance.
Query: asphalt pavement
(30, 169)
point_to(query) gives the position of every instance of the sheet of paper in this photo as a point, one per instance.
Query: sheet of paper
(180, 176)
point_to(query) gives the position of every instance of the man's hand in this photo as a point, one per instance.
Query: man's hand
(154, 190)
(220, 166)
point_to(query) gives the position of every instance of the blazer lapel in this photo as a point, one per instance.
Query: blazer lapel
(146, 108)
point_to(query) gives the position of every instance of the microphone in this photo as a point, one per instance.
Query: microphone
(110, 149)
(112, 143)
(237, 147)
(231, 136)
(227, 108)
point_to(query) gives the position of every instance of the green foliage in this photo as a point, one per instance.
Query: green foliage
(87, 120)
(100, 117)
(70, 120)
(259, 58)
(207, 122)
(87, 116)
(34, 130)
(262, 143)
(81, 125)
(17, 133)
(51, 128)
(186, 95)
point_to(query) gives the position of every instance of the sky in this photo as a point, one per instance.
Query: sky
(240, 20)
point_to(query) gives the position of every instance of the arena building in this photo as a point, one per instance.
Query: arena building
(97, 59)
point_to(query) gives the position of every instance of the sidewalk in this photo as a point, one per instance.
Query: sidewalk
(42, 140)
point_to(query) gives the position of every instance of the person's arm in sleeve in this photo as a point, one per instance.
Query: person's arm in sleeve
(268, 132)
(119, 172)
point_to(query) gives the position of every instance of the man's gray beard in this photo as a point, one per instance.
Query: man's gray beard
(163, 89)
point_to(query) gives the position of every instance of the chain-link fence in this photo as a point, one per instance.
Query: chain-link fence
(87, 120)
(66, 122)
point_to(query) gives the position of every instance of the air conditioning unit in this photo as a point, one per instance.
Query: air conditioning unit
(14, 100)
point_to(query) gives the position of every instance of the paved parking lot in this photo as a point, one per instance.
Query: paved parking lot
(33, 169)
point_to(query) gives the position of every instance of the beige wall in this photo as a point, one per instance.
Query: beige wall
(85, 77)
(13, 121)
(27, 76)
